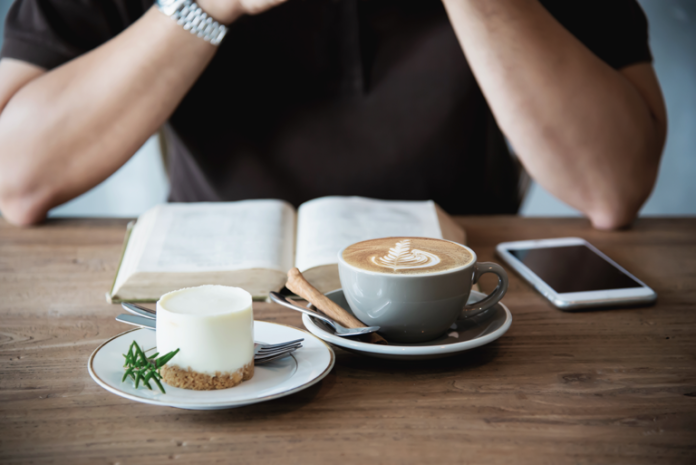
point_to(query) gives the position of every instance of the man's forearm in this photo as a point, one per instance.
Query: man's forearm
(581, 129)
(72, 127)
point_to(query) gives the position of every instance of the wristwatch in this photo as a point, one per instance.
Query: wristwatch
(193, 19)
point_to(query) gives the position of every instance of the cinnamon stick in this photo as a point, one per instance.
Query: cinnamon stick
(300, 286)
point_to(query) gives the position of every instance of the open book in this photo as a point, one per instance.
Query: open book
(253, 243)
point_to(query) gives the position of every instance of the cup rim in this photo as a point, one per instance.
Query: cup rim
(473, 261)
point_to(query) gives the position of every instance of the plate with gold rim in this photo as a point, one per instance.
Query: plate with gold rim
(465, 334)
(304, 368)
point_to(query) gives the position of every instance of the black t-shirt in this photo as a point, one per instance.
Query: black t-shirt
(332, 97)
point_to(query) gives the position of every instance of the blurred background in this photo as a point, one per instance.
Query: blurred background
(142, 182)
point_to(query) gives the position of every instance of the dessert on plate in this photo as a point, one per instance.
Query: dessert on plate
(213, 326)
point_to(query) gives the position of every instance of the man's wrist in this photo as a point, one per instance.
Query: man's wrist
(220, 11)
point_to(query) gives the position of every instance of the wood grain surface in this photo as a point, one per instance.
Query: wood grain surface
(615, 386)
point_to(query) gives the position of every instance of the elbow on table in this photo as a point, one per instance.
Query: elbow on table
(21, 207)
(612, 219)
(623, 194)
(621, 211)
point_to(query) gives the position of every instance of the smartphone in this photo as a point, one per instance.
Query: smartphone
(573, 274)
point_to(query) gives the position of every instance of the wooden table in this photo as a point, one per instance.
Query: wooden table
(613, 386)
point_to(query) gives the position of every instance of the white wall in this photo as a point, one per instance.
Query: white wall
(141, 183)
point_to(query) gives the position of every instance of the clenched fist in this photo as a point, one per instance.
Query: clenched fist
(226, 11)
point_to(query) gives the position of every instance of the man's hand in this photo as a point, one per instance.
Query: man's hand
(226, 11)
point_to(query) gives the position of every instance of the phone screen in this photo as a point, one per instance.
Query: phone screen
(574, 268)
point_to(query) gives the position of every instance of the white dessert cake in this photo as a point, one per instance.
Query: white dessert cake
(213, 326)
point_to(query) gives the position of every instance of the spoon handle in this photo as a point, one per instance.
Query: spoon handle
(138, 310)
(147, 323)
(282, 300)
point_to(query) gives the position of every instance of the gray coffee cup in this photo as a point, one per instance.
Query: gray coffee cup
(416, 307)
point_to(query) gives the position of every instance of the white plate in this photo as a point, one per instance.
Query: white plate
(469, 333)
(307, 366)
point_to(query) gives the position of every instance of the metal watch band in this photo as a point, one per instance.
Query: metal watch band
(193, 19)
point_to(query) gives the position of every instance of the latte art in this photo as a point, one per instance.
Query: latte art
(407, 255)
(401, 256)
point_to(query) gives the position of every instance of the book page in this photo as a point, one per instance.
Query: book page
(193, 237)
(328, 224)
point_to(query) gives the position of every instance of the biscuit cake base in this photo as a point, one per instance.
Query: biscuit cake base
(188, 379)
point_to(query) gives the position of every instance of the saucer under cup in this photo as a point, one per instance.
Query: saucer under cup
(467, 333)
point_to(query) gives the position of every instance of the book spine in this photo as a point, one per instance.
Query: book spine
(110, 297)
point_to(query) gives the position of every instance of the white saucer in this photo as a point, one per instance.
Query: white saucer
(469, 333)
(307, 366)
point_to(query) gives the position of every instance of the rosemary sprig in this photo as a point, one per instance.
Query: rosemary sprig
(139, 367)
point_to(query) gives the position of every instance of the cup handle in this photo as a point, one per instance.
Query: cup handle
(494, 297)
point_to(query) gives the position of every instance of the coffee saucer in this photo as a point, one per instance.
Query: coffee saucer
(465, 334)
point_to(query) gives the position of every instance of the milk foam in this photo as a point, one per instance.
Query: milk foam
(406, 255)
(401, 257)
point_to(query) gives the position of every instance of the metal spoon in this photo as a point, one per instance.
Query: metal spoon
(338, 329)
(139, 310)
(137, 320)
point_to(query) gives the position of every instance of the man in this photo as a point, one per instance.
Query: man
(305, 98)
